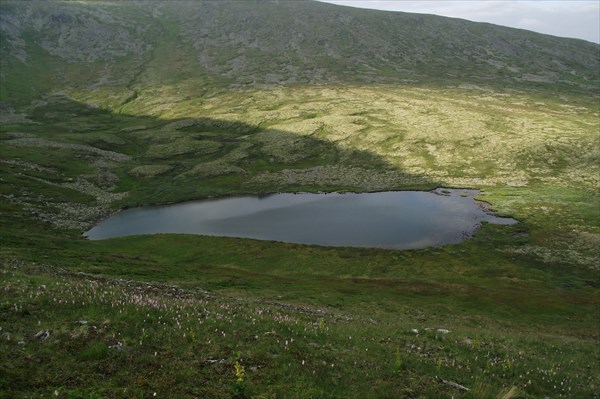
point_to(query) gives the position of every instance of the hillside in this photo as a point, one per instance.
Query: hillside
(106, 105)
(118, 47)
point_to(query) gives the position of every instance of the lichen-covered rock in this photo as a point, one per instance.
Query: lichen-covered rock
(335, 176)
(72, 31)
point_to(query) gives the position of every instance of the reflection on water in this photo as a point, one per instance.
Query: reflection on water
(394, 219)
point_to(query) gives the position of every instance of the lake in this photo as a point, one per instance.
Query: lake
(393, 219)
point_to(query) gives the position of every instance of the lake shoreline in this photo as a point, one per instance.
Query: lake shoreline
(402, 219)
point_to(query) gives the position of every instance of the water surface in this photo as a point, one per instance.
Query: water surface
(394, 219)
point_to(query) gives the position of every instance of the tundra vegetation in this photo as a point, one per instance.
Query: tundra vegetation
(108, 105)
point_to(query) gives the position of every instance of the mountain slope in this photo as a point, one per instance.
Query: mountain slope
(114, 45)
(114, 104)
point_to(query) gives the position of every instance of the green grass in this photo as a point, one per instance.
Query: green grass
(116, 329)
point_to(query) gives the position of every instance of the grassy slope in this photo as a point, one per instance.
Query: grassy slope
(521, 301)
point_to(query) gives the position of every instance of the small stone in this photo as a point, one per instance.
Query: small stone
(119, 346)
(43, 334)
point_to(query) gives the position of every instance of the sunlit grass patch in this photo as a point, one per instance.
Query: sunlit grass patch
(148, 171)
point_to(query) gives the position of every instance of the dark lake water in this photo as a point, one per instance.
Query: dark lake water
(395, 219)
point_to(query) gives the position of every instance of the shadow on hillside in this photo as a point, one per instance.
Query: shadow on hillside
(181, 159)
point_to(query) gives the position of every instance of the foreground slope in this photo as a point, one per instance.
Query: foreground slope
(115, 104)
